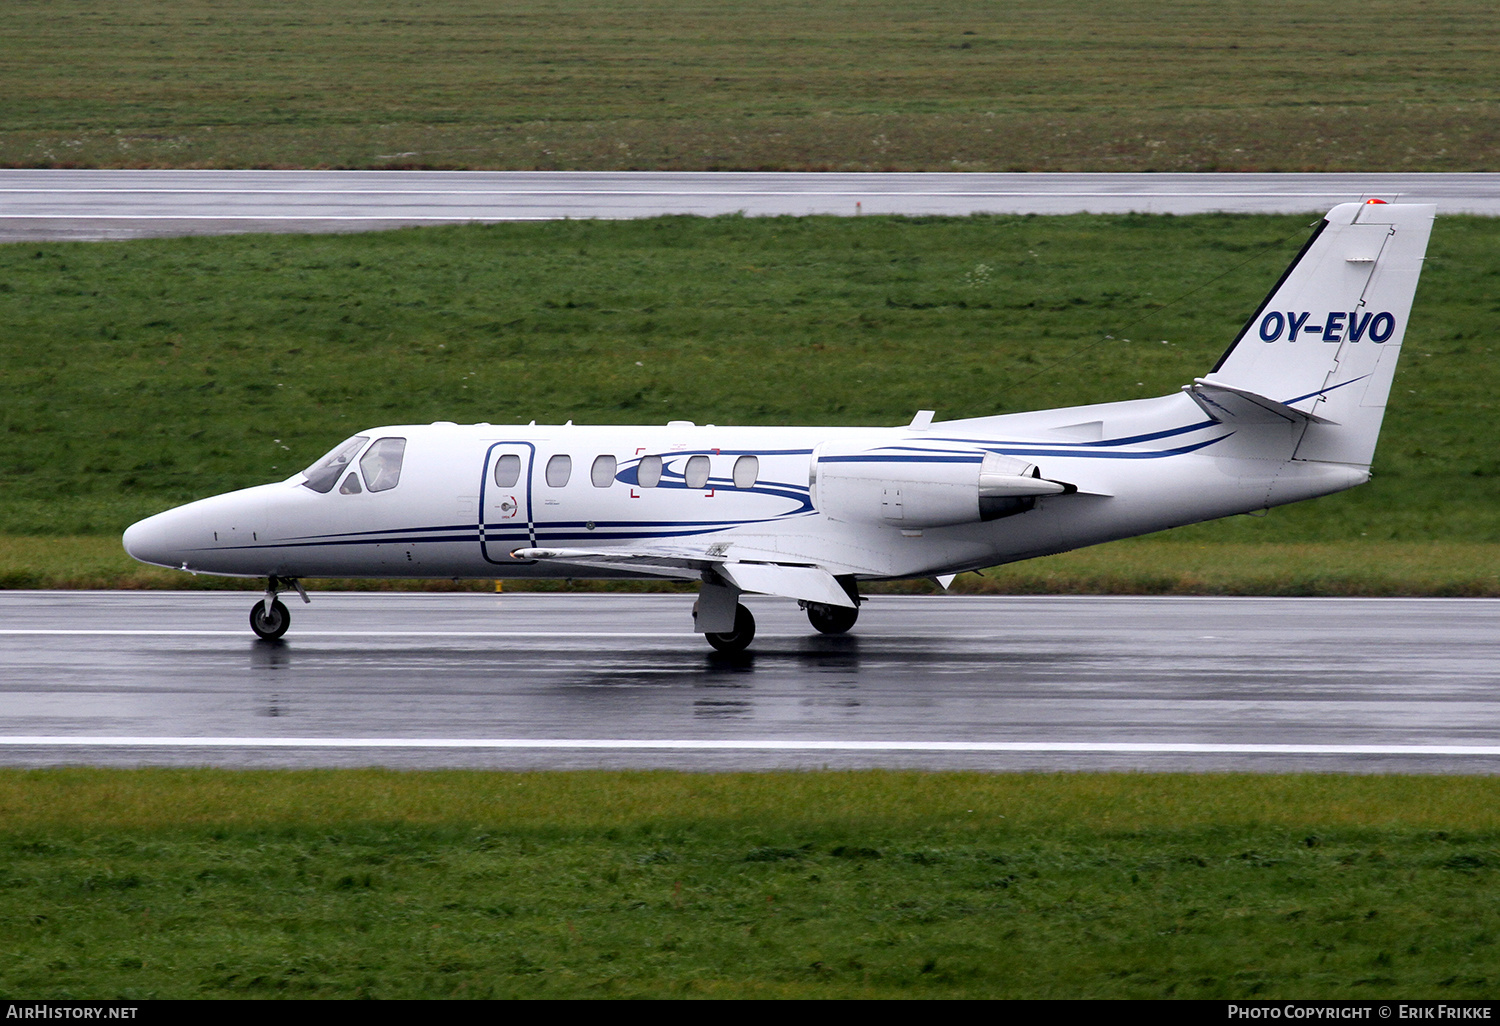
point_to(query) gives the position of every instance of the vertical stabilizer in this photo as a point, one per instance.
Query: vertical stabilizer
(1326, 340)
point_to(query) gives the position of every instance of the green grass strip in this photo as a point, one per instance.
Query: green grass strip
(1146, 566)
(204, 883)
(141, 375)
(935, 85)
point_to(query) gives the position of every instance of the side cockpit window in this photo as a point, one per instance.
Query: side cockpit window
(382, 464)
(324, 474)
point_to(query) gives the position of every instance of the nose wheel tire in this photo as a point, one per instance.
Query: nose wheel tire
(272, 626)
(831, 619)
(738, 639)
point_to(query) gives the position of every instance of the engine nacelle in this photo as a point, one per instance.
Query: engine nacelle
(900, 487)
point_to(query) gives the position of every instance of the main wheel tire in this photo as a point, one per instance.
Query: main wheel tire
(738, 639)
(828, 619)
(273, 626)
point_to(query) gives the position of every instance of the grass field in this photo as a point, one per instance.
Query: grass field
(1146, 566)
(1048, 85)
(139, 375)
(186, 884)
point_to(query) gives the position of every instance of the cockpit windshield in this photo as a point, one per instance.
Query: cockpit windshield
(324, 474)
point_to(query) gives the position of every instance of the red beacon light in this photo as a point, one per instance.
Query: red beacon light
(1381, 201)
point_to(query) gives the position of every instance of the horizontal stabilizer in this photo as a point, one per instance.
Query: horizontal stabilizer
(1230, 405)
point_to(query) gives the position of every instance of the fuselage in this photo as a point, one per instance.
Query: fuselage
(466, 497)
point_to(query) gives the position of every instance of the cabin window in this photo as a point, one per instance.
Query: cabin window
(507, 470)
(350, 485)
(648, 474)
(381, 464)
(559, 469)
(324, 474)
(696, 474)
(746, 470)
(603, 472)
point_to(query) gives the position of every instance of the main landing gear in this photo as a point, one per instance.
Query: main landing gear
(828, 619)
(729, 627)
(737, 639)
(269, 619)
(719, 617)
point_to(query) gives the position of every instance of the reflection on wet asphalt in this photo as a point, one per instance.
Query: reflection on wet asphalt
(1373, 672)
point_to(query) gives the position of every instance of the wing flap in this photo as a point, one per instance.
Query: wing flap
(809, 583)
(685, 565)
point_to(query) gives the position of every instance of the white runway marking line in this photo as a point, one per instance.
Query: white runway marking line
(279, 217)
(763, 745)
(358, 634)
(965, 193)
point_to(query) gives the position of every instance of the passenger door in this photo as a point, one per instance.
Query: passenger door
(505, 517)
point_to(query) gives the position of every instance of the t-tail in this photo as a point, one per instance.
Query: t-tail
(1321, 351)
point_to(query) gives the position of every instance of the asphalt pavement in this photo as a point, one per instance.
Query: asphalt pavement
(151, 678)
(618, 680)
(89, 205)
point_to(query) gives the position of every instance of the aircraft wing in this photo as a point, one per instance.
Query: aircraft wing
(809, 583)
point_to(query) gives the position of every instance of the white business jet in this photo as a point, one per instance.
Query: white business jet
(1290, 412)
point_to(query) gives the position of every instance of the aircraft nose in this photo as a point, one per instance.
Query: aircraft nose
(147, 540)
(213, 535)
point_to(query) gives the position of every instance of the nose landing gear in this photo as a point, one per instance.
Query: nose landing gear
(269, 618)
(268, 626)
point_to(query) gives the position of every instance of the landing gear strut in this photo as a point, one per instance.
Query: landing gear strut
(269, 619)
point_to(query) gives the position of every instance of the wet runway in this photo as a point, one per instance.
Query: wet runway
(559, 681)
(63, 204)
